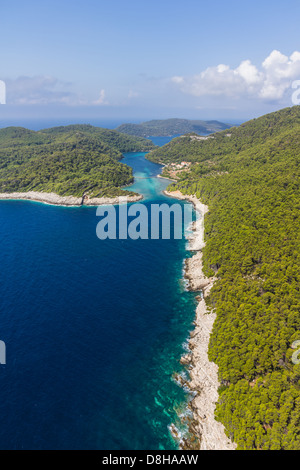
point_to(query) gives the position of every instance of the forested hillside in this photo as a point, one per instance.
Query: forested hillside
(68, 160)
(168, 127)
(249, 177)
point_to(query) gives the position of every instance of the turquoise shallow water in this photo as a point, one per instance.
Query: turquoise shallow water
(94, 329)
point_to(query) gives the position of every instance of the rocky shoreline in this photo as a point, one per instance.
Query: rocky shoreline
(55, 199)
(205, 432)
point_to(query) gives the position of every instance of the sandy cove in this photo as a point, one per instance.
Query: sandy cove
(55, 199)
(203, 373)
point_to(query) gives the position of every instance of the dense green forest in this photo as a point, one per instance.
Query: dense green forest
(249, 178)
(68, 160)
(166, 127)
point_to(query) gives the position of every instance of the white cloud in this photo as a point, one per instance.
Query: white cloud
(269, 82)
(279, 72)
(102, 99)
(249, 73)
(177, 79)
(42, 90)
(47, 90)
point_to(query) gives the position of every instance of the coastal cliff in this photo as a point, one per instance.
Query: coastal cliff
(203, 382)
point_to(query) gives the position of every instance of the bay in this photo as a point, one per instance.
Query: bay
(94, 329)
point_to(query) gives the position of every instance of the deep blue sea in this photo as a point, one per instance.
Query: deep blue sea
(94, 329)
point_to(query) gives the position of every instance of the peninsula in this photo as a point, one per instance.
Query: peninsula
(71, 165)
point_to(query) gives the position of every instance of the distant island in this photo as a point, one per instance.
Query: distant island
(170, 127)
(79, 161)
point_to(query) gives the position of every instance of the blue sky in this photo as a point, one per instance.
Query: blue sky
(148, 59)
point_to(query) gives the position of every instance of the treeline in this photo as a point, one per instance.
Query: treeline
(230, 142)
(68, 160)
(250, 181)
